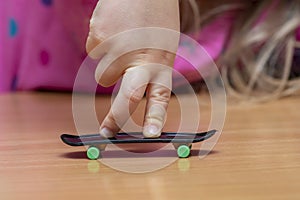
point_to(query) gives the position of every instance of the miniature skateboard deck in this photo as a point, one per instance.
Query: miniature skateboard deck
(93, 140)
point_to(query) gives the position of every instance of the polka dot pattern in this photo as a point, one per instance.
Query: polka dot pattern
(47, 2)
(47, 46)
(13, 27)
(44, 57)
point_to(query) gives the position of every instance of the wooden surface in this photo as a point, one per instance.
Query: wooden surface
(257, 156)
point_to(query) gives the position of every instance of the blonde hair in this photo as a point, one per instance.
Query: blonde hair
(257, 63)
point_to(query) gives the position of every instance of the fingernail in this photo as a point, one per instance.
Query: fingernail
(105, 132)
(152, 131)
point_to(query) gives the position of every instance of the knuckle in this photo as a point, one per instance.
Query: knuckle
(155, 118)
(93, 40)
(134, 98)
(155, 56)
(133, 95)
(162, 96)
(95, 37)
(156, 112)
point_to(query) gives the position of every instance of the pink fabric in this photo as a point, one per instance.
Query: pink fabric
(43, 44)
(298, 34)
(212, 39)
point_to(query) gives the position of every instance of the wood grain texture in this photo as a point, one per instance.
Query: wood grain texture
(257, 156)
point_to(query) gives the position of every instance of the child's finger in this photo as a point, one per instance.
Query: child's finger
(108, 72)
(158, 96)
(131, 92)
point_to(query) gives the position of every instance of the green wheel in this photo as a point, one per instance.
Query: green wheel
(93, 153)
(183, 151)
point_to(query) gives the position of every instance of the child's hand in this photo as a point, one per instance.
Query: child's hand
(112, 17)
